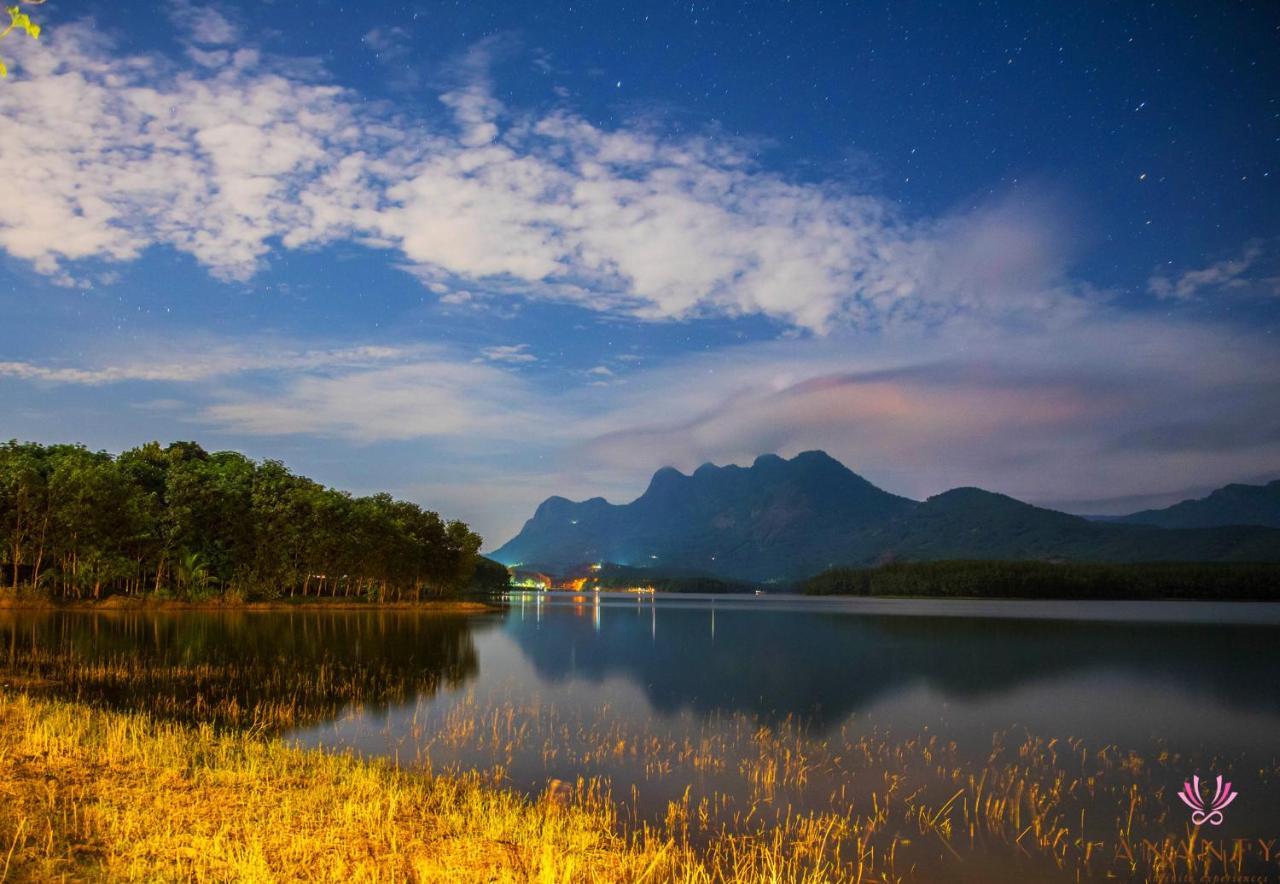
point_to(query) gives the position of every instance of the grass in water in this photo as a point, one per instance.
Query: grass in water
(90, 793)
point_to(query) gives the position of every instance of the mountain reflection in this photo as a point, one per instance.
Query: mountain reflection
(823, 665)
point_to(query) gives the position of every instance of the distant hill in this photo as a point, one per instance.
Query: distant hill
(773, 519)
(787, 519)
(1230, 505)
(969, 523)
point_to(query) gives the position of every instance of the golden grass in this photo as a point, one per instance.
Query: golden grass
(88, 794)
(91, 794)
(907, 807)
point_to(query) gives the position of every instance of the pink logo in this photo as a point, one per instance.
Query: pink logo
(1200, 813)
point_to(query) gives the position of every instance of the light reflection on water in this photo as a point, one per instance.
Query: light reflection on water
(579, 669)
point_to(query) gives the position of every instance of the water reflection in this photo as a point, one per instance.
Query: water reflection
(824, 664)
(272, 669)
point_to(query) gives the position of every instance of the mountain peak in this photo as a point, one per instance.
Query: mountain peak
(785, 519)
(779, 518)
(664, 480)
(815, 455)
(553, 504)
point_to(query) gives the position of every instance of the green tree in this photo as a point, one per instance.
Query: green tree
(24, 512)
(193, 574)
(160, 518)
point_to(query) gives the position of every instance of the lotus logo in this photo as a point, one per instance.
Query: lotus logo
(1200, 812)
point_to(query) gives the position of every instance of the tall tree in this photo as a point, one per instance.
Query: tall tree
(180, 519)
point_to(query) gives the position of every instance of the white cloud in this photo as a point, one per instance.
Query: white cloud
(121, 153)
(203, 365)
(421, 399)
(229, 159)
(204, 25)
(516, 353)
(389, 43)
(1228, 275)
(367, 393)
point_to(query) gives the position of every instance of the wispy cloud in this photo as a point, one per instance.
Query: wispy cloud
(215, 362)
(206, 25)
(421, 399)
(362, 393)
(389, 43)
(1231, 275)
(514, 353)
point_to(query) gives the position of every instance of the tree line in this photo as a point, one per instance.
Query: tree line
(1054, 580)
(178, 521)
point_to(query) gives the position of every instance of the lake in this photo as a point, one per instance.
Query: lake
(752, 708)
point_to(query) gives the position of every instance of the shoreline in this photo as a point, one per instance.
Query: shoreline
(122, 603)
(845, 596)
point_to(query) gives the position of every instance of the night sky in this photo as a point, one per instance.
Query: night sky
(480, 253)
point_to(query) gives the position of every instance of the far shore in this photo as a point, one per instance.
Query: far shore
(132, 603)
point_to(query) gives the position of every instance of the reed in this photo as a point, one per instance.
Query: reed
(97, 794)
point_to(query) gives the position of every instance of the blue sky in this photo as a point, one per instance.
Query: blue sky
(480, 253)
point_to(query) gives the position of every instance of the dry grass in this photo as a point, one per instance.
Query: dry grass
(91, 794)
(87, 794)
(904, 807)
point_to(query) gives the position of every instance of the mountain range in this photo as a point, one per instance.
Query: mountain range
(1229, 505)
(787, 519)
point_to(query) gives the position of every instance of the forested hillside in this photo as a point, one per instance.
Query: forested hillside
(181, 522)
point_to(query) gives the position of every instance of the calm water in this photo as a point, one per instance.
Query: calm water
(1203, 676)
(1200, 678)
(564, 687)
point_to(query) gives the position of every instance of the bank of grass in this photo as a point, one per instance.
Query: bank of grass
(1215, 581)
(87, 793)
(33, 600)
